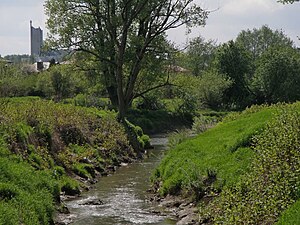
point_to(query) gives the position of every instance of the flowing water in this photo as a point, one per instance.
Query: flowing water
(123, 195)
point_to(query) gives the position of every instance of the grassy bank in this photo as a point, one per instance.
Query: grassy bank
(44, 146)
(245, 170)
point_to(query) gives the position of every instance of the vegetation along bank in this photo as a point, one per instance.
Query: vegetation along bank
(244, 170)
(48, 149)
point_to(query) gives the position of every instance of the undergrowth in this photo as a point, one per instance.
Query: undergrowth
(44, 146)
(221, 154)
(273, 182)
(243, 171)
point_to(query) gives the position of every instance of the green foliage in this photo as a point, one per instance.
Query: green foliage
(257, 41)
(202, 123)
(199, 55)
(26, 195)
(206, 91)
(158, 121)
(69, 186)
(83, 170)
(272, 184)
(222, 152)
(186, 91)
(178, 137)
(91, 101)
(14, 82)
(60, 82)
(277, 77)
(137, 133)
(146, 140)
(211, 88)
(149, 102)
(290, 216)
(235, 62)
(49, 139)
(58, 172)
(18, 59)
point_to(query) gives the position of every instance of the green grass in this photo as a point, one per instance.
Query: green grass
(272, 184)
(249, 162)
(43, 145)
(26, 195)
(291, 216)
(222, 151)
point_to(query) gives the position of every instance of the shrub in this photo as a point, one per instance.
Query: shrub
(272, 185)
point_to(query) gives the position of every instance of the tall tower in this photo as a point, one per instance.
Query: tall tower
(36, 39)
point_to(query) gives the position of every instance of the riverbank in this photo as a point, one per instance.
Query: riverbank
(224, 170)
(122, 198)
(63, 150)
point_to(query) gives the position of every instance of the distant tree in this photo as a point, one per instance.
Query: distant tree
(211, 89)
(120, 34)
(200, 54)
(277, 77)
(235, 62)
(18, 58)
(259, 40)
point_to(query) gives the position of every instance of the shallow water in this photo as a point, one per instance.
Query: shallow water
(123, 195)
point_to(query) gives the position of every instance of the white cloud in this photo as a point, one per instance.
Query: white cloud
(14, 31)
(222, 25)
(249, 7)
(233, 16)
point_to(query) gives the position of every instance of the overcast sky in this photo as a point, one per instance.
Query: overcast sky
(224, 24)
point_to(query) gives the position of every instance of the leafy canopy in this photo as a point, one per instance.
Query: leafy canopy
(119, 33)
(259, 40)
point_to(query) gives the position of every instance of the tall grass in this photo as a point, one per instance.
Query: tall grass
(273, 183)
(42, 144)
(243, 171)
(222, 153)
(27, 196)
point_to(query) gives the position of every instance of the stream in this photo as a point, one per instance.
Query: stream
(123, 195)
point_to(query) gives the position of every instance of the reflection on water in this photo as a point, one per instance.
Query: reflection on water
(123, 195)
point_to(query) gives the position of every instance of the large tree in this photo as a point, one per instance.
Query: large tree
(119, 34)
(200, 54)
(259, 40)
(235, 62)
(277, 77)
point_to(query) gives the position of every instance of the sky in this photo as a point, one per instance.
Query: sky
(227, 19)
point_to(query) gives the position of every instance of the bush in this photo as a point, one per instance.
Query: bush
(137, 133)
(273, 183)
(149, 102)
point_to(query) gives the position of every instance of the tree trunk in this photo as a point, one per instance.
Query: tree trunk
(113, 95)
(121, 98)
